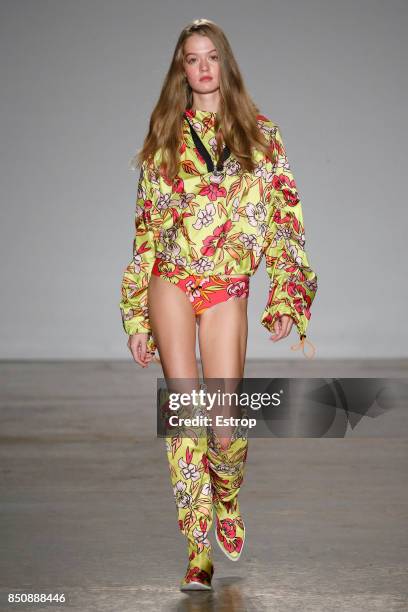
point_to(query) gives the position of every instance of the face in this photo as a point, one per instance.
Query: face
(201, 64)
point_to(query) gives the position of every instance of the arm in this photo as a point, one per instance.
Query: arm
(293, 284)
(133, 305)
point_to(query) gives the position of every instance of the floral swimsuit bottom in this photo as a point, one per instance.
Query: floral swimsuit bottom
(203, 292)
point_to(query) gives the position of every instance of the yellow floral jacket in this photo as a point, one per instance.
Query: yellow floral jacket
(222, 225)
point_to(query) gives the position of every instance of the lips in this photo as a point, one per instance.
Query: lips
(206, 78)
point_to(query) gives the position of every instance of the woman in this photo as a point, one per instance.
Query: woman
(215, 194)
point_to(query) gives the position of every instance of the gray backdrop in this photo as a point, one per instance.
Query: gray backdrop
(79, 79)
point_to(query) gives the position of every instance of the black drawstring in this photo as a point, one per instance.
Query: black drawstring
(204, 153)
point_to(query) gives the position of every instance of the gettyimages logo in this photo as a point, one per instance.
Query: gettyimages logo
(283, 407)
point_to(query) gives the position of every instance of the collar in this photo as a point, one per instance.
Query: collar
(203, 122)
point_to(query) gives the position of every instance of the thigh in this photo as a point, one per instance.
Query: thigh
(222, 336)
(173, 324)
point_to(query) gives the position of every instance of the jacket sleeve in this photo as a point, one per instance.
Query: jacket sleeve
(293, 284)
(135, 281)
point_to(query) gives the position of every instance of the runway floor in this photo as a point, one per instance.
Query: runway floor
(87, 507)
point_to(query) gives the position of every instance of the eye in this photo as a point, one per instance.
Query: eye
(214, 57)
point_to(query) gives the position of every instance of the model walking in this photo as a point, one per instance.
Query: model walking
(215, 195)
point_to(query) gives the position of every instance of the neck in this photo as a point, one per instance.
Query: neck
(206, 102)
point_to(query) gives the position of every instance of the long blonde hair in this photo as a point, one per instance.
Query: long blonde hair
(235, 122)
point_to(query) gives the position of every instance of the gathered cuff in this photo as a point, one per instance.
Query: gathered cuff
(134, 322)
(294, 300)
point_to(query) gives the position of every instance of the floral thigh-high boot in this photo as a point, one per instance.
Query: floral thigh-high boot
(227, 471)
(190, 478)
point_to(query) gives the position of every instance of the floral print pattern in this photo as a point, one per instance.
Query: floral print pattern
(203, 292)
(205, 478)
(227, 470)
(221, 225)
(227, 535)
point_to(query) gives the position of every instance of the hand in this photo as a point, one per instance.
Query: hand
(282, 327)
(137, 345)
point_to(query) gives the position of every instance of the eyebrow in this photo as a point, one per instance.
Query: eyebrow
(191, 53)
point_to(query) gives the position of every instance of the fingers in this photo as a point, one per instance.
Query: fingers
(277, 327)
(282, 327)
(142, 351)
(135, 350)
(138, 348)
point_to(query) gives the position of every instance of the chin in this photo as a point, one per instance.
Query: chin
(206, 86)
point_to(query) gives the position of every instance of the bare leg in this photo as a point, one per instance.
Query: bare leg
(174, 328)
(223, 333)
(173, 324)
